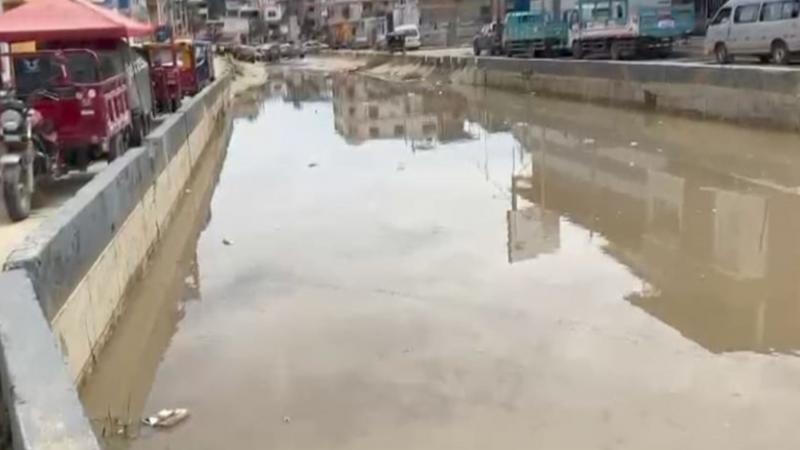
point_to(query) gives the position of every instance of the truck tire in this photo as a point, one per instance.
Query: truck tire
(721, 53)
(577, 50)
(615, 50)
(779, 52)
(137, 132)
(16, 192)
(115, 148)
(476, 49)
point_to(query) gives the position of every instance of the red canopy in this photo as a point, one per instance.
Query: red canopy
(50, 20)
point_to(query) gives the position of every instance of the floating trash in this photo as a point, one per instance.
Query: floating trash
(167, 418)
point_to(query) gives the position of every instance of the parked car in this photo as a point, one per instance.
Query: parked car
(270, 52)
(312, 47)
(224, 48)
(246, 53)
(396, 42)
(292, 50)
(765, 29)
(413, 40)
(489, 38)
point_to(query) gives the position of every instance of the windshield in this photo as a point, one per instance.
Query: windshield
(163, 57)
(410, 32)
(33, 72)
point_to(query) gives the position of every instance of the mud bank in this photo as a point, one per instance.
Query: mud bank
(753, 95)
(64, 287)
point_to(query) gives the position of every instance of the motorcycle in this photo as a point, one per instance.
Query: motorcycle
(27, 149)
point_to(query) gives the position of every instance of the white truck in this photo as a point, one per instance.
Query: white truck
(626, 28)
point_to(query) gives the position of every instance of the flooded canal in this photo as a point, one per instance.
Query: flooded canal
(412, 266)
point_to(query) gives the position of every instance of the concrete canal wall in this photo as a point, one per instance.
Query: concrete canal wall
(67, 282)
(764, 95)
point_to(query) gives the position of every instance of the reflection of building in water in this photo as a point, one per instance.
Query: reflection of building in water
(296, 87)
(532, 231)
(248, 103)
(720, 255)
(301, 87)
(371, 109)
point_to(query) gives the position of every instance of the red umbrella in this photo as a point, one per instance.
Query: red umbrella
(50, 20)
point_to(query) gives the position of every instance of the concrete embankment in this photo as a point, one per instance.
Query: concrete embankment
(64, 287)
(762, 95)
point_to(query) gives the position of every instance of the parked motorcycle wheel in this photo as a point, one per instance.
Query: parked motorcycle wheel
(17, 191)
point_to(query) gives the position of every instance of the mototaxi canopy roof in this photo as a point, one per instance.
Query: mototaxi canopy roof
(52, 20)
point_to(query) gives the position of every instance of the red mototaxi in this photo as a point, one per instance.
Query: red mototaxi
(87, 98)
(167, 74)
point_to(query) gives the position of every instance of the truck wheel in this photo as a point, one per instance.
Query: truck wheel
(615, 51)
(721, 53)
(476, 49)
(780, 54)
(17, 192)
(137, 130)
(115, 148)
(577, 50)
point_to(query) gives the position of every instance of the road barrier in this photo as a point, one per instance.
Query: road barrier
(765, 95)
(68, 280)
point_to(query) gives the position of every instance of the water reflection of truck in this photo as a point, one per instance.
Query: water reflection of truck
(627, 28)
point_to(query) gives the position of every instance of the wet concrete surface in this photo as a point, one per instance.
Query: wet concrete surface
(395, 266)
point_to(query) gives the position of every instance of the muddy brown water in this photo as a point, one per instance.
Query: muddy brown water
(423, 267)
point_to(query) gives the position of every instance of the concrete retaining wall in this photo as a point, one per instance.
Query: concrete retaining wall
(72, 274)
(44, 411)
(748, 94)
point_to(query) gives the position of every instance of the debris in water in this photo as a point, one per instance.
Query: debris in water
(401, 167)
(187, 191)
(659, 150)
(287, 419)
(227, 242)
(190, 282)
(312, 165)
(167, 418)
(632, 164)
(588, 141)
(634, 144)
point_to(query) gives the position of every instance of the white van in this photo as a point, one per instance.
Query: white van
(768, 29)
(411, 32)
